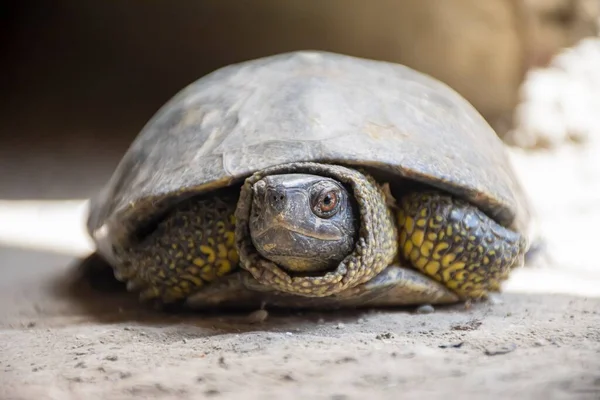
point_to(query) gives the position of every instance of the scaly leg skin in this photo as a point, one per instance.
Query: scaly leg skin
(455, 243)
(192, 246)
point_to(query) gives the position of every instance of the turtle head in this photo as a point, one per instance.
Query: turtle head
(302, 222)
(313, 229)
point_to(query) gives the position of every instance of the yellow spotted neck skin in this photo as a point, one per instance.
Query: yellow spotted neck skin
(456, 244)
(190, 247)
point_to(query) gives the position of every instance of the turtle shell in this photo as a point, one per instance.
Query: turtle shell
(307, 106)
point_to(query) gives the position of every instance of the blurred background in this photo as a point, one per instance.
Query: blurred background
(80, 78)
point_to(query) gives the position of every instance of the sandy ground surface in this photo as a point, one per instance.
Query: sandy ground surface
(62, 339)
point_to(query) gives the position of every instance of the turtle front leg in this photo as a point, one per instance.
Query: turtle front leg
(455, 243)
(189, 248)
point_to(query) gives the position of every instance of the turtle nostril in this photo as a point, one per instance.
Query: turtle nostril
(277, 198)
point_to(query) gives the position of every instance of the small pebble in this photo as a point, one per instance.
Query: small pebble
(111, 358)
(425, 309)
(386, 335)
(258, 316)
(451, 345)
(340, 326)
(500, 350)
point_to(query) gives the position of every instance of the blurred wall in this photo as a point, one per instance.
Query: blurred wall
(88, 74)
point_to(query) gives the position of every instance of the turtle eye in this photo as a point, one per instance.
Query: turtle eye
(326, 202)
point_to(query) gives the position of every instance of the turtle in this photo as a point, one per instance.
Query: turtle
(313, 179)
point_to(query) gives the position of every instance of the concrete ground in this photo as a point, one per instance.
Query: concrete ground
(62, 339)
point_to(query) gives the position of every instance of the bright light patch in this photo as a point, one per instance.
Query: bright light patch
(57, 226)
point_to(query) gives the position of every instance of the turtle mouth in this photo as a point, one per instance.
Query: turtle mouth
(264, 226)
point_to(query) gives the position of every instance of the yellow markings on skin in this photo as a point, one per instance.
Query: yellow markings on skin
(432, 268)
(468, 261)
(448, 259)
(401, 219)
(421, 262)
(209, 252)
(426, 248)
(460, 276)
(479, 293)
(194, 245)
(494, 285)
(447, 272)
(223, 267)
(409, 225)
(435, 223)
(453, 284)
(408, 247)
(208, 273)
(221, 251)
(403, 236)
(415, 254)
(233, 256)
(438, 249)
(418, 237)
(229, 239)
(199, 262)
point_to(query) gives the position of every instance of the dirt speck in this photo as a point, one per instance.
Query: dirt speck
(497, 351)
(385, 335)
(469, 326)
